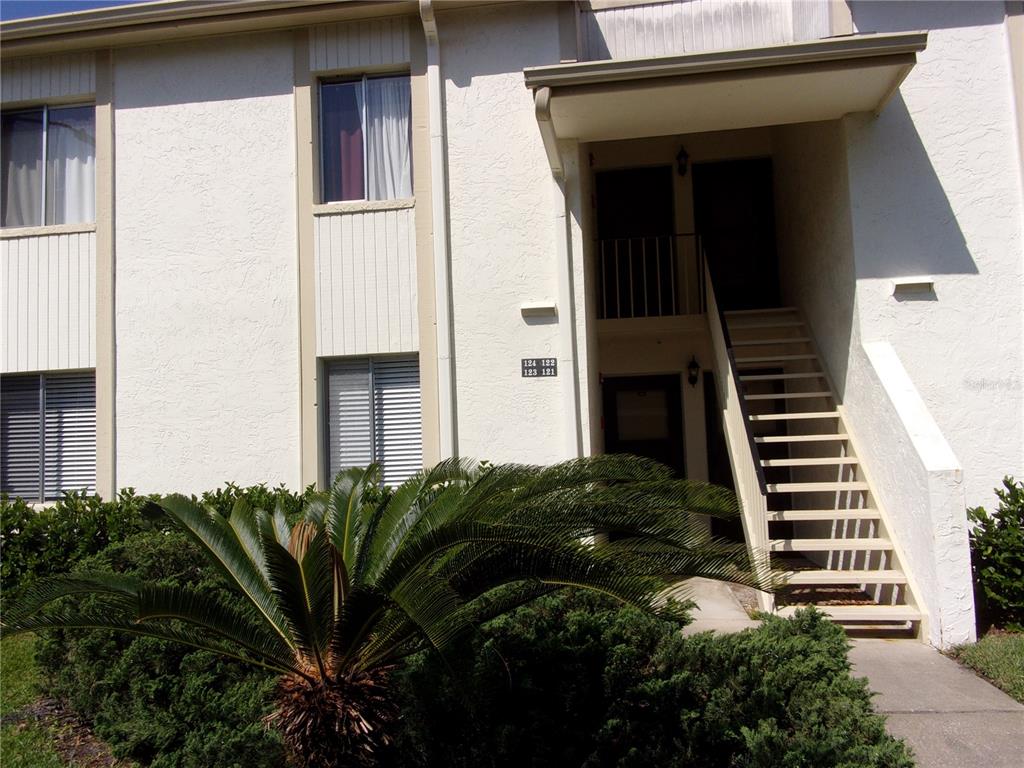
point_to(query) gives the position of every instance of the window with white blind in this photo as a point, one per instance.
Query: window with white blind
(366, 139)
(47, 434)
(373, 414)
(48, 166)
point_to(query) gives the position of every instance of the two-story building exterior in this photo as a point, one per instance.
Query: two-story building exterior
(776, 244)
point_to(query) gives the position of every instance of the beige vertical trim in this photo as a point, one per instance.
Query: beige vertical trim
(106, 361)
(1015, 33)
(425, 307)
(568, 32)
(840, 18)
(309, 422)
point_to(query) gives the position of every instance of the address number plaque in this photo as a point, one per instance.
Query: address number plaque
(537, 367)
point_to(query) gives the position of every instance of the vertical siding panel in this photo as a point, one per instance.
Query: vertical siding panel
(366, 275)
(352, 45)
(48, 77)
(48, 301)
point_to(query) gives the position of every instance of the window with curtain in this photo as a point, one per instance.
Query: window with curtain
(366, 139)
(373, 414)
(48, 166)
(47, 434)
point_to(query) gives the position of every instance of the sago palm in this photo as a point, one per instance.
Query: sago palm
(333, 603)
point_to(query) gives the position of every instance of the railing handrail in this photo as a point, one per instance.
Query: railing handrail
(734, 369)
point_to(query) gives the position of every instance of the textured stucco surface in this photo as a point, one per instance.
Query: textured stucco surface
(502, 232)
(936, 190)
(206, 303)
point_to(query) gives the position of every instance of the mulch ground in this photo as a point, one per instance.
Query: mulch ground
(72, 739)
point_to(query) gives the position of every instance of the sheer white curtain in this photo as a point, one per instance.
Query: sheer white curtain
(71, 166)
(21, 152)
(387, 137)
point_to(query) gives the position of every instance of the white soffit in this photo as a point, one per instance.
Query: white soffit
(723, 90)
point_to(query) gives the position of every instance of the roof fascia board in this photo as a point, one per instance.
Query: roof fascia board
(720, 62)
(178, 20)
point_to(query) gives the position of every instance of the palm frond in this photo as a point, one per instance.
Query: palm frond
(220, 541)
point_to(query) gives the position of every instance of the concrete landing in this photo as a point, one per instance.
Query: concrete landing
(718, 609)
(949, 716)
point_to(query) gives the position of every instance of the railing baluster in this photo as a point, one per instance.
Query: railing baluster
(643, 256)
(657, 256)
(629, 261)
(604, 279)
(618, 288)
(674, 303)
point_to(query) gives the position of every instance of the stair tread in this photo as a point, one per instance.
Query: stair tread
(789, 395)
(827, 545)
(764, 311)
(781, 376)
(824, 438)
(770, 342)
(776, 358)
(771, 323)
(794, 515)
(822, 461)
(826, 576)
(838, 485)
(794, 416)
(869, 612)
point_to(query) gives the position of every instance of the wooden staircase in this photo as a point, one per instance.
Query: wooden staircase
(825, 528)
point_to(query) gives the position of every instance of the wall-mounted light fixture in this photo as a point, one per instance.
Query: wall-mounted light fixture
(693, 371)
(682, 160)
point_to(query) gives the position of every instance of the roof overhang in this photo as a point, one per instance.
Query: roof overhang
(178, 19)
(720, 90)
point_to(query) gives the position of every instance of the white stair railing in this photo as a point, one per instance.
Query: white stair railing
(751, 488)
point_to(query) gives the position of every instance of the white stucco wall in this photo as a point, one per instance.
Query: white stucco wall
(206, 296)
(936, 190)
(502, 232)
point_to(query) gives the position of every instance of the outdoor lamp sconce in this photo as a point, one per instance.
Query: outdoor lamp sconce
(682, 159)
(693, 371)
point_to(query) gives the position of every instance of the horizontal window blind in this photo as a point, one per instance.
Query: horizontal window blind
(373, 414)
(398, 422)
(70, 433)
(21, 436)
(48, 434)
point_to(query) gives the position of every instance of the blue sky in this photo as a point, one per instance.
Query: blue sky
(19, 9)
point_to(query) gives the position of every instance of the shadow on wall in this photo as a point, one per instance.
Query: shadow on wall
(201, 71)
(912, 15)
(917, 233)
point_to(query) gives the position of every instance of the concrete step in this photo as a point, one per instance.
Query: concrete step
(773, 359)
(789, 395)
(839, 485)
(802, 438)
(749, 312)
(805, 515)
(770, 342)
(825, 461)
(782, 376)
(825, 576)
(795, 416)
(828, 545)
(843, 613)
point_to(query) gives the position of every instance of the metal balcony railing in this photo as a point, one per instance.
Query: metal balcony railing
(656, 276)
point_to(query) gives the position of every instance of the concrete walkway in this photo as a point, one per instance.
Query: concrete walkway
(948, 715)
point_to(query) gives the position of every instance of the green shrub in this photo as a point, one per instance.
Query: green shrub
(572, 680)
(997, 556)
(49, 540)
(155, 702)
(52, 539)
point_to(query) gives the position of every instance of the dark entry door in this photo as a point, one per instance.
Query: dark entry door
(734, 210)
(643, 416)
